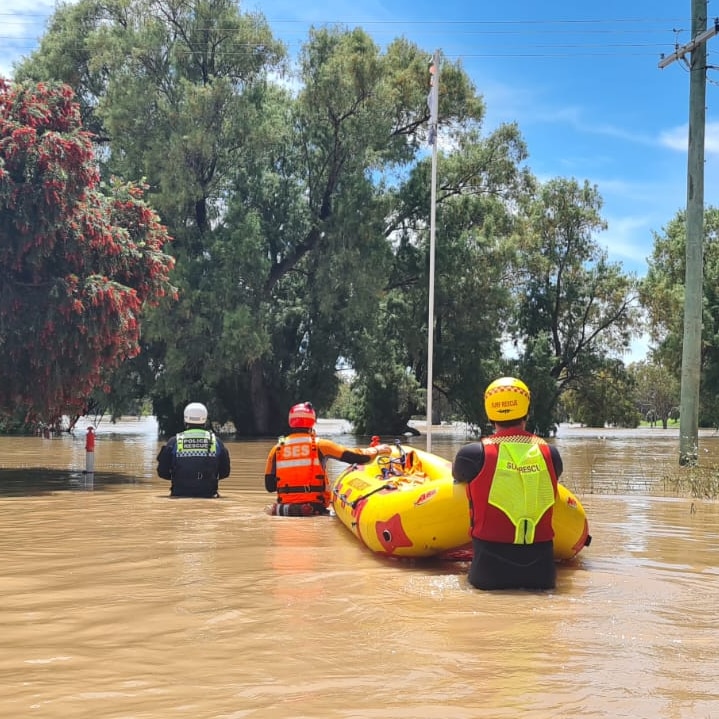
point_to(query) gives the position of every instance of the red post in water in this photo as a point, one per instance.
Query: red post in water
(90, 450)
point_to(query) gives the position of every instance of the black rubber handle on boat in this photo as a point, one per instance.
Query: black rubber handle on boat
(369, 494)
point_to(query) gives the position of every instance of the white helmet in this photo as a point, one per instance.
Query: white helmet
(195, 413)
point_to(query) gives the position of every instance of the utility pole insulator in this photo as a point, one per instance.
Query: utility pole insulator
(680, 52)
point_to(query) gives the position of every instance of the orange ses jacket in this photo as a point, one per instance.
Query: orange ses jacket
(295, 467)
(300, 474)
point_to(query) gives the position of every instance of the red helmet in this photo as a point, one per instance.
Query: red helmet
(303, 415)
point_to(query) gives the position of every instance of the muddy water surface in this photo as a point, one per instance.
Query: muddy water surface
(117, 602)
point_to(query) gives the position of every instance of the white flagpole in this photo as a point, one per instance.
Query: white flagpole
(433, 128)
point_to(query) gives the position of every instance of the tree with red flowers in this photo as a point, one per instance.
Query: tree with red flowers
(79, 261)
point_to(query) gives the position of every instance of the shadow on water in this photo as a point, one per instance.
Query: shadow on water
(35, 481)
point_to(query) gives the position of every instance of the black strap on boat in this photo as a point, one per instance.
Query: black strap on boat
(369, 494)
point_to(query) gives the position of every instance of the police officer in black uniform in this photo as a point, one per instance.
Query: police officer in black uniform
(195, 460)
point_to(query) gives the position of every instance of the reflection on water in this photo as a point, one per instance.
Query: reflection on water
(122, 603)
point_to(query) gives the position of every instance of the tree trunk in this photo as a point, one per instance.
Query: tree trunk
(265, 423)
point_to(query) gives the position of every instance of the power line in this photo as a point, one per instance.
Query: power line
(531, 39)
(436, 21)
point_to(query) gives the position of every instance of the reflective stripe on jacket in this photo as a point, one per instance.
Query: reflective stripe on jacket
(196, 443)
(300, 475)
(195, 463)
(512, 497)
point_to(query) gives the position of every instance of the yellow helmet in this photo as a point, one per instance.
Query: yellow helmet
(507, 398)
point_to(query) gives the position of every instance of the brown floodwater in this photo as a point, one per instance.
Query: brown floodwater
(119, 603)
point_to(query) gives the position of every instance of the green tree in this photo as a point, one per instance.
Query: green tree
(662, 294)
(536, 368)
(177, 89)
(275, 198)
(478, 180)
(568, 293)
(79, 262)
(605, 398)
(656, 392)
(300, 215)
(329, 208)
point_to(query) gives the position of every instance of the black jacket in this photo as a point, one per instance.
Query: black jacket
(194, 461)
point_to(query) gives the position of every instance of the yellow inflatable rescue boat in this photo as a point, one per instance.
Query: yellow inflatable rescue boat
(407, 505)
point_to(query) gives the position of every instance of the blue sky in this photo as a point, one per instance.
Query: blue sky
(580, 79)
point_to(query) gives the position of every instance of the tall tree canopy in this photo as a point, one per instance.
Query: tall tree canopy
(663, 297)
(576, 310)
(279, 199)
(78, 261)
(299, 200)
(480, 177)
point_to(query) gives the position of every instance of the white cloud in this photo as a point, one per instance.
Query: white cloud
(575, 118)
(677, 138)
(628, 239)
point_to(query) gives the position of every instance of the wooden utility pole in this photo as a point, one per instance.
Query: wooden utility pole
(694, 271)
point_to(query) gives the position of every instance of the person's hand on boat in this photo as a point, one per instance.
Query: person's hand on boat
(383, 449)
